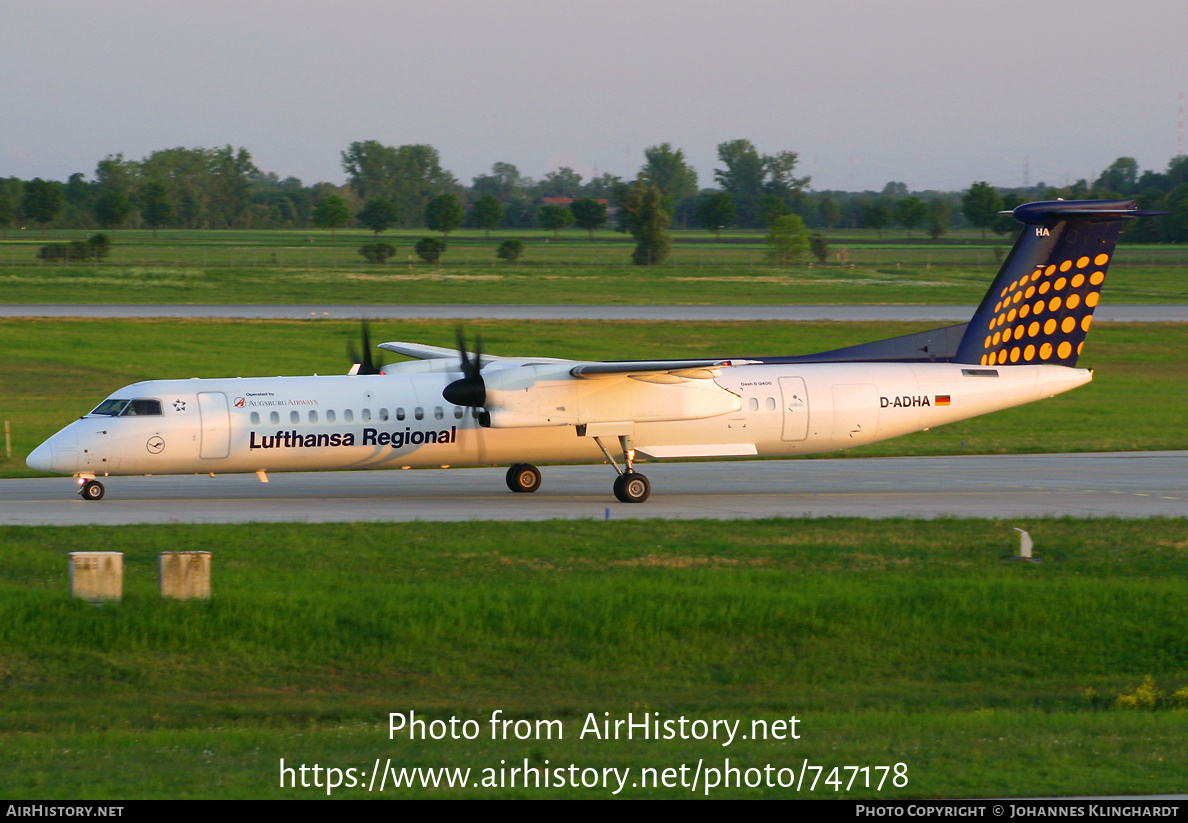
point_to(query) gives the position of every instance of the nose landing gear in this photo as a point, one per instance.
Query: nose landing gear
(91, 490)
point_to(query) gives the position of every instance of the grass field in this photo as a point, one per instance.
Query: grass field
(54, 370)
(305, 267)
(892, 642)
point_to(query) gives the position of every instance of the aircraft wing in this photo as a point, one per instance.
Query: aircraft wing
(421, 351)
(657, 371)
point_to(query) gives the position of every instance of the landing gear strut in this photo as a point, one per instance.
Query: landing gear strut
(630, 486)
(523, 478)
(91, 490)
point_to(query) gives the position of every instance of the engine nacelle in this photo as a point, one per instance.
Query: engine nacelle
(547, 395)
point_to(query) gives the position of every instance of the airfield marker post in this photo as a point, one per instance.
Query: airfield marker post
(1024, 544)
(8, 439)
(97, 576)
(184, 575)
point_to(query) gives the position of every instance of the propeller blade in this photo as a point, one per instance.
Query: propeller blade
(367, 364)
(470, 390)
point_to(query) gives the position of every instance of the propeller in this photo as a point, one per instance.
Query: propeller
(364, 361)
(470, 390)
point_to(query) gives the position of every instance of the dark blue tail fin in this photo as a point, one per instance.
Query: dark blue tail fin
(1041, 304)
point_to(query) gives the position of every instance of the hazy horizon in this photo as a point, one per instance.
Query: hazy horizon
(932, 94)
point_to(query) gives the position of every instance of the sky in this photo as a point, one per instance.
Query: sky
(932, 94)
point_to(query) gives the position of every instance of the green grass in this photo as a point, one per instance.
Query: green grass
(305, 267)
(54, 370)
(896, 641)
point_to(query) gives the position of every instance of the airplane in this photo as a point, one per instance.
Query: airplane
(448, 407)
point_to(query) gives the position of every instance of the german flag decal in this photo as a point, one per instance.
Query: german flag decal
(941, 400)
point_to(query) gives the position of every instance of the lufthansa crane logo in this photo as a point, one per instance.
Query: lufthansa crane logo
(155, 444)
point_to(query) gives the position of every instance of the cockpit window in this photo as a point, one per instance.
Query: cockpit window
(142, 408)
(110, 407)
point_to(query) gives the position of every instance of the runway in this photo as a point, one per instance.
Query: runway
(1122, 484)
(1171, 313)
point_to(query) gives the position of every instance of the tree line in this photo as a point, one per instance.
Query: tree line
(407, 186)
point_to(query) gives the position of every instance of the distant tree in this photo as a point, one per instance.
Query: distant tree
(331, 213)
(666, 169)
(1120, 178)
(156, 207)
(602, 187)
(42, 201)
(910, 212)
(980, 205)
(938, 217)
(742, 178)
(444, 214)
(378, 215)
(486, 213)
(876, 216)
(408, 176)
(377, 252)
(830, 212)
(112, 209)
(716, 212)
(503, 183)
(787, 240)
(564, 182)
(588, 214)
(771, 208)
(510, 250)
(79, 193)
(819, 246)
(554, 218)
(1173, 228)
(780, 181)
(894, 189)
(371, 169)
(642, 213)
(7, 215)
(430, 249)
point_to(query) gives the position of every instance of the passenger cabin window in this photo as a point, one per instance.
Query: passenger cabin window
(313, 416)
(294, 417)
(348, 416)
(255, 418)
(419, 413)
(753, 404)
(110, 407)
(771, 404)
(383, 414)
(457, 412)
(330, 416)
(274, 418)
(142, 408)
(438, 413)
(400, 412)
(365, 414)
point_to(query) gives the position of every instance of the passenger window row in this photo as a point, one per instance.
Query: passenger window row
(348, 415)
(769, 403)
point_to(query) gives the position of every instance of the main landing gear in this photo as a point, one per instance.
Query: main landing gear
(630, 486)
(523, 478)
(91, 490)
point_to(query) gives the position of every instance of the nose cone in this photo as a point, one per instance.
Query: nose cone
(58, 455)
(42, 458)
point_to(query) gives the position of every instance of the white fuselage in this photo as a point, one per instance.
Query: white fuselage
(401, 420)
